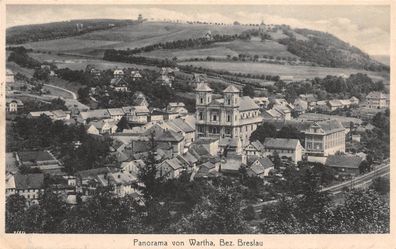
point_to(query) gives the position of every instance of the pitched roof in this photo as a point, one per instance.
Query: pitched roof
(335, 102)
(203, 87)
(344, 161)
(281, 143)
(329, 126)
(59, 113)
(116, 111)
(247, 103)
(231, 89)
(29, 181)
(180, 124)
(18, 101)
(34, 156)
(98, 113)
(170, 136)
(257, 145)
(376, 95)
(174, 163)
(118, 82)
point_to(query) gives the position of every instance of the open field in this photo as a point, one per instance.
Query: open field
(298, 72)
(76, 62)
(222, 49)
(131, 36)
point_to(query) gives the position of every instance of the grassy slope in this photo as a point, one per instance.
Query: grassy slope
(299, 72)
(131, 37)
(222, 49)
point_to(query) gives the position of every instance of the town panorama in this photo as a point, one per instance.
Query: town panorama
(147, 124)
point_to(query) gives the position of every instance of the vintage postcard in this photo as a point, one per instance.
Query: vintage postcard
(196, 125)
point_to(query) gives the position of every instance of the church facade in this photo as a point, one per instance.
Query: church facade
(231, 118)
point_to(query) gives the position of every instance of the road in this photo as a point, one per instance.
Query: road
(74, 96)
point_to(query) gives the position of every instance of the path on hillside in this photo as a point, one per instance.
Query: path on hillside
(74, 96)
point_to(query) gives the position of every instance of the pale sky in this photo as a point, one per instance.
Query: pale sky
(366, 27)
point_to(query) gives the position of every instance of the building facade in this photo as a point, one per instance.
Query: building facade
(377, 100)
(325, 138)
(232, 118)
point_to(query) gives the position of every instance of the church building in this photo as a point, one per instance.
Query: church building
(232, 118)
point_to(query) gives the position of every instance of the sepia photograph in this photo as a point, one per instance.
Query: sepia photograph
(197, 119)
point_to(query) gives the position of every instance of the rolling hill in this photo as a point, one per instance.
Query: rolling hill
(307, 47)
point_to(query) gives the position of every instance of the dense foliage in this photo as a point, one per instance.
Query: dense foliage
(61, 139)
(20, 56)
(57, 30)
(327, 50)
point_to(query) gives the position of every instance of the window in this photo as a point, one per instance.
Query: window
(214, 117)
(228, 118)
(201, 100)
(200, 116)
(229, 101)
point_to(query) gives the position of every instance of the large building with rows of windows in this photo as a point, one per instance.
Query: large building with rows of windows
(231, 119)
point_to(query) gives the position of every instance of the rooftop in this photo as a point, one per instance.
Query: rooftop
(344, 161)
(29, 181)
(281, 143)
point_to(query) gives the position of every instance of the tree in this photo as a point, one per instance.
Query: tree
(122, 124)
(148, 174)
(220, 213)
(277, 161)
(42, 74)
(263, 131)
(83, 94)
(381, 185)
(364, 167)
(248, 90)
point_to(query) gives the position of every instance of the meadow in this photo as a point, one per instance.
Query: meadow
(298, 72)
(131, 36)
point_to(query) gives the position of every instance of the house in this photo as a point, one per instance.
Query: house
(231, 164)
(377, 100)
(260, 167)
(119, 84)
(345, 164)
(182, 127)
(105, 126)
(272, 114)
(132, 167)
(116, 113)
(210, 144)
(157, 115)
(262, 102)
(284, 147)
(9, 76)
(29, 186)
(300, 105)
(13, 105)
(139, 99)
(136, 75)
(173, 139)
(354, 100)
(87, 181)
(136, 114)
(118, 73)
(310, 98)
(255, 148)
(60, 115)
(121, 183)
(165, 80)
(325, 138)
(232, 118)
(97, 114)
(39, 113)
(177, 107)
(43, 160)
(170, 168)
(335, 104)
